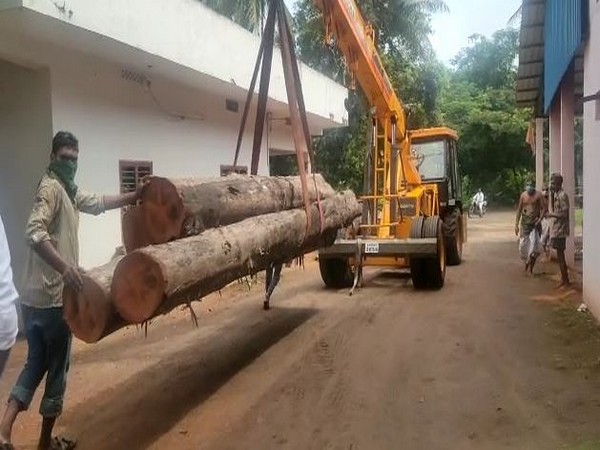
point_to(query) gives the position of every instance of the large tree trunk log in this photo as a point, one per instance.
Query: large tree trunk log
(174, 208)
(133, 229)
(154, 280)
(90, 313)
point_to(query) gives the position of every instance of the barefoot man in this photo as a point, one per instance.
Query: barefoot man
(529, 216)
(560, 229)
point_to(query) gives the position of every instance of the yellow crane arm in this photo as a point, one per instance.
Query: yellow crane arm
(355, 39)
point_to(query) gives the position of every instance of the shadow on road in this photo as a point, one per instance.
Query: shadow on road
(137, 411)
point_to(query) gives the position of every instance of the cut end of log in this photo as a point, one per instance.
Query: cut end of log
(138, 287)
(133, 229)
(163, 211)
(88, 311)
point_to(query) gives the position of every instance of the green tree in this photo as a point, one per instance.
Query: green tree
(489, 62)
(402, 34)
(250, 14)
(478, 101)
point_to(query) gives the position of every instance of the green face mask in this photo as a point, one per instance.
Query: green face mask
(65, 171)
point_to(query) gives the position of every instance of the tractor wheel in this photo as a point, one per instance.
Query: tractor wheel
(418, 270)
(429, 273)
(454, 237)
(336, 273)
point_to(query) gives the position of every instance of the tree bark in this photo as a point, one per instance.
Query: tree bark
(176, 208)
(90, 313)
(154, 280)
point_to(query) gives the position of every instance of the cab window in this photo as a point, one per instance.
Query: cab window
(431, 159)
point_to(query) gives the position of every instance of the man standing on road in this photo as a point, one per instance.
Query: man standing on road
(560, 228)
(8, 297)
(528, 225)
(52, 262)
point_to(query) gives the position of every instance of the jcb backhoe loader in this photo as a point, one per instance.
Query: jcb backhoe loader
(412, 209)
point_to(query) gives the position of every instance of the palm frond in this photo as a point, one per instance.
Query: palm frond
(516, 17)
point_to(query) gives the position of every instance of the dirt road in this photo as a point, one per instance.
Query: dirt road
(494, 360)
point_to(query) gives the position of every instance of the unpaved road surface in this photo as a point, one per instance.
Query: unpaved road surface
(495, 360)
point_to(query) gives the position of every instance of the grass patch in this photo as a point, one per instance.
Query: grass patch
(579, 217)
(578, 346)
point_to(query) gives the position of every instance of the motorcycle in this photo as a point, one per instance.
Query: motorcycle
(475, 210)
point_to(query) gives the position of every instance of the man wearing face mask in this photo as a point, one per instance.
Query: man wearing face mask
(530, 212)
(52, 262)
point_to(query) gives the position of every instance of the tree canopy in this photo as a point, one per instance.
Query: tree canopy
(478, 100)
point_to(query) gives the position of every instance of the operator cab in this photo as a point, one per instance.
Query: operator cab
(436, 157)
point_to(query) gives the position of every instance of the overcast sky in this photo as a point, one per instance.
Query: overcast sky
(466, 17)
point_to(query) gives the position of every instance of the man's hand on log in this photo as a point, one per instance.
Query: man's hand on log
(145, 181)
(72, 277)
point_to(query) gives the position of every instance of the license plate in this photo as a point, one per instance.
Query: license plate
(371, 247)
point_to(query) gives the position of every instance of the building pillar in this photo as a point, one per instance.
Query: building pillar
(567, 153)
(555, 140)
(591, 164)
(539, 153)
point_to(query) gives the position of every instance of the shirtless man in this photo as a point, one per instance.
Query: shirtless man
(529, 216)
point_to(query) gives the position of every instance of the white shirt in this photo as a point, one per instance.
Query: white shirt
(479, 197)
(8, 296)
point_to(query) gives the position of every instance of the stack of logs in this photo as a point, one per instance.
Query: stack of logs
(191, 237)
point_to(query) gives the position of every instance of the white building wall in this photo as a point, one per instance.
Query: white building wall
(116, 119)
(190, 34)
(591, 167)
(113, 119)
(25, 130)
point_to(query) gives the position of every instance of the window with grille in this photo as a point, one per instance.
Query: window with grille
(226, 170)
(131, 173)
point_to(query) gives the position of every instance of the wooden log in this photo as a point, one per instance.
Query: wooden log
(154, 280)
(90, 313)
(133, 229)
(176, 208)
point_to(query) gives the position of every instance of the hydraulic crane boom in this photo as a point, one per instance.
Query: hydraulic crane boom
(356, 41)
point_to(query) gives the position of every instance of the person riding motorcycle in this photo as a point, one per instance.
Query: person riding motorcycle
(479, 201)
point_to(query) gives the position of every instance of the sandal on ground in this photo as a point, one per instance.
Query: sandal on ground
(61, 443)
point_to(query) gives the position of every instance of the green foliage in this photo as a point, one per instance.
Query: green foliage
(489, 63)
(478, 100)
(402, 33)
(283, 165)
(247, 13)
(341, 155)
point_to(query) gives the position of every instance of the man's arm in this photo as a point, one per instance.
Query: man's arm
(45, 208)
(519, 212)
(118, 201)
(71, 274)
(95, 204)
(541, 208)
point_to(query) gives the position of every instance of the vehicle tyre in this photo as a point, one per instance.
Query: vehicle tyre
(429, 273)
(336, 273)
(454, 237)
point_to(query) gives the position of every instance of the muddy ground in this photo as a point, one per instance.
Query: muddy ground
(495, 360)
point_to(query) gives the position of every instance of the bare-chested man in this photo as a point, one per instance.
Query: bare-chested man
(529, 217)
